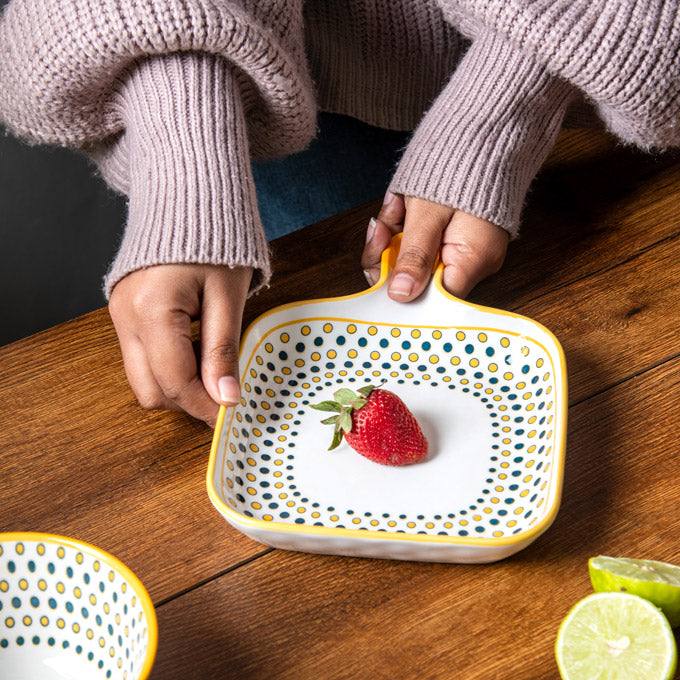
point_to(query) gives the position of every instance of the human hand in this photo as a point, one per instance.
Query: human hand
(152, 310)
(470, 248)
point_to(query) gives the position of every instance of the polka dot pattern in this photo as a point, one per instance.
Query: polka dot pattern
(57, 597)
(303, 362)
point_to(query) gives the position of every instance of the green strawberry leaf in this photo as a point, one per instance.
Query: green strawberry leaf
(330, 421)
(366, 390)
(345, 396)
(327, 406)
(358, 403)
(345, 421)
(337, 438)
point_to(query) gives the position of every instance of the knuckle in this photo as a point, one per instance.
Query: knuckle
(177, 391)
(415, 258)
(226, 352)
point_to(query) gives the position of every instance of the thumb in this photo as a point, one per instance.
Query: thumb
(224, 298)
(472, 250)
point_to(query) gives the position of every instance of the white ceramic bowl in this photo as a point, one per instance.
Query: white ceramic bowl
(488, 387)
(70, 611)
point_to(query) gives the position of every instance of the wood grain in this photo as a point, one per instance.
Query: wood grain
(291, 615)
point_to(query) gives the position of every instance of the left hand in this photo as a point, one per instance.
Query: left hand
(471, 248)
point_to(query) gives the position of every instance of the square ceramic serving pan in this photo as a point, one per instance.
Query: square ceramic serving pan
(488, 387)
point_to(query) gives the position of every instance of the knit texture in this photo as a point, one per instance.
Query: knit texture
(190, 185)
(477, 149)
(171, 97)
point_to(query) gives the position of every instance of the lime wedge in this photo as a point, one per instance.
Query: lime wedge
(658, 582)
(615, 636)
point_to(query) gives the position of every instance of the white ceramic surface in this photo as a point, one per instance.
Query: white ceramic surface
(488, 387)
(69, 611)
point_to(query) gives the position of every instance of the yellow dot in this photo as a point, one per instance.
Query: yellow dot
(4, 586)
(374, 522)
(351, 328)
(327, 327)
(518, 511)
(20, 549)
(269, 347)
(505, 342)
(250, 477)
(455, 361)
(334, 518)
(61, 623)
(474, 363)
(477, 518)
(497, 533)
(9, 622)
(507, 376)
(488, 511)
(44, 621)
(493, 367)
(539, 363)
(360, 372)
(394, 374)
(76, 628)
(464, 381)
(283, 496)
(42, 584)
(96, 565)
(352, 354)
(290, 504)
(434, 359)
(502, 475)
(40, 549)
(463, 522)
(267, 518)
(302, 511)
(316, 514)
(426, 376)
(372, 330)
(27, 620)
(93, 599)
(101, 642)
(305, 330)
(396, 356)
(460, 335)
(123, 587)
(286, 370)
(429, 525)
(299, 362)
(395, 332)
(391, 523)
(525, 351)
(251, 491)
(411, 525)
(259, 360)
(520, 385)
(505, 464)
(78, 592)
(284, 337)
(356, 520)
(23, 584)
(495, 500)
(436, 334)
(512, 523)
(277, 379)
(316, 356)
(375, 355)
(448, 525)
(375, 374)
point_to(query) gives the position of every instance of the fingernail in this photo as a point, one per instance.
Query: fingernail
(370, 276)
(402, 285)
(389, 197)
(229, 390)
(372, 224)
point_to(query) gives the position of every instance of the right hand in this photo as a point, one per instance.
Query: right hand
(152, 310)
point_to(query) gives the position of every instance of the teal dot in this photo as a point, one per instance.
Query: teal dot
(16, 602)
(340, 340)
(50, 567)
(383, 343)
(20, 640)
(300, 347)
(65, 644)
(31, 566)
(11, 567)
(490, 351)
(35, 602)
(318, 341)
(90, 656)
(448, 346)
(101, 586)
(69, 572)
(35, 640)
(469, 349)
(4, 643)
(85, 613)
(50, 641)
(79, 649)
(362, 342)
(69, 607)
(52, 603)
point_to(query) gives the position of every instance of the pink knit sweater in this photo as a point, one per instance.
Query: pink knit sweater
(173, 97)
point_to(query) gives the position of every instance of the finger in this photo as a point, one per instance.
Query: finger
(423, 227)
(393, 212)
(370, 259)
(473, 249)
(146, 389)
(167, 341)
(223, 301)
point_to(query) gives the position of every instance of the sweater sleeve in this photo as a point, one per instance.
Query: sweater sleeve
(171, 98)
(621, 54)
(487, 133)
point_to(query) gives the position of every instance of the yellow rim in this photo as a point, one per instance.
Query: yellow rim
(115, 564)
(389, 257)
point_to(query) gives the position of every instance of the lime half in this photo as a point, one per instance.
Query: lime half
(615, 636)
(658, 582)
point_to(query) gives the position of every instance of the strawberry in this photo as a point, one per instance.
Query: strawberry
(376, 424)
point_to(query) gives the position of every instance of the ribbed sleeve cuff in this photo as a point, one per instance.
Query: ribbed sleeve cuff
(190, 186)
(486, 135)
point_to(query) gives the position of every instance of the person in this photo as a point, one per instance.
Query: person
(173, 98)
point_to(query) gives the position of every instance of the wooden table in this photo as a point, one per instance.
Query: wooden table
(599, 263)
